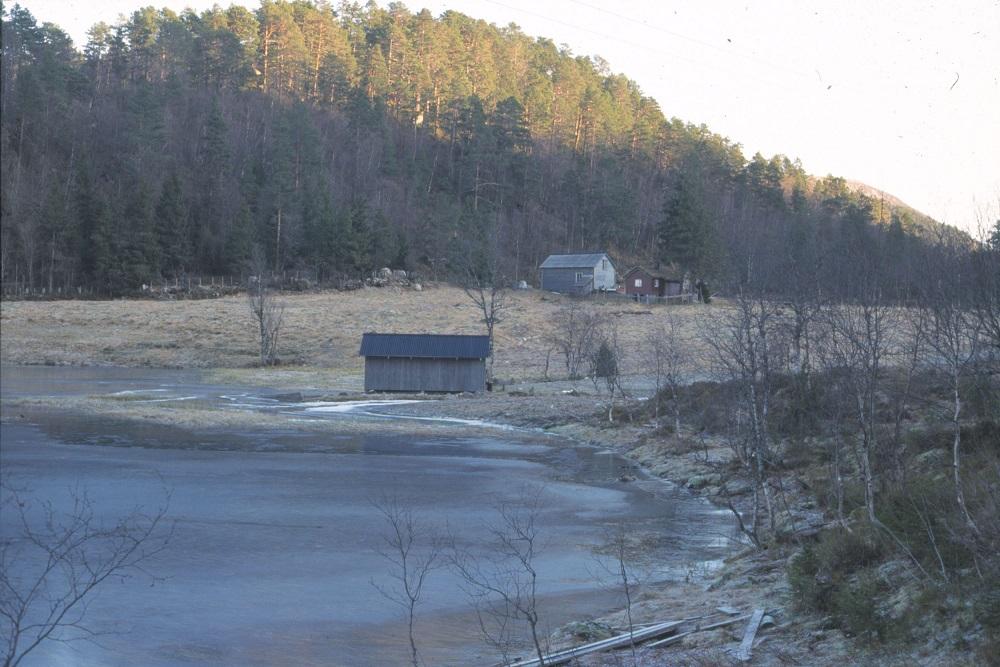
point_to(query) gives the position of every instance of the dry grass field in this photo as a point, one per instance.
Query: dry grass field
(320, 336)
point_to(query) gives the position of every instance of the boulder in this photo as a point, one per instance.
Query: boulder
(417, 287)
(589, 630)
(701, 481)
(385, 272)
(737, 487)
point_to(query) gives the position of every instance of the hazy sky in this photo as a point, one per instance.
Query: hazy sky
(902, 95)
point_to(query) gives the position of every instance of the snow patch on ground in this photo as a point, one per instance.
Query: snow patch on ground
(131, 392)
(365, 408)
(170, 400)
(350, 406)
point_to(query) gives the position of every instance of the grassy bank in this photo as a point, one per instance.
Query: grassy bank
(319, 339)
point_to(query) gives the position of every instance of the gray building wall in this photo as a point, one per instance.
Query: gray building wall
(564, 280)
(405, 374)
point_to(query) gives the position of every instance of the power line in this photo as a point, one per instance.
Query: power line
(693, 40)
(644, 47)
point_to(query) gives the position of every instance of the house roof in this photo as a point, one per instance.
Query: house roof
(425, 346)
(668, 276)
(583, 261)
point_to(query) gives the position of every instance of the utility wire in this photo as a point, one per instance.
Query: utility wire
(727, 51)
(644, 47)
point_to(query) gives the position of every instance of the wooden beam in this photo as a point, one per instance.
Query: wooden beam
(638, 636)
(676, 638)
(746, 646)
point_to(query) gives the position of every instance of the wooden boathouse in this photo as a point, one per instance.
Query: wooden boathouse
(424, 362)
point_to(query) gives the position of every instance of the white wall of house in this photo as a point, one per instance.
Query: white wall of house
(604, 275)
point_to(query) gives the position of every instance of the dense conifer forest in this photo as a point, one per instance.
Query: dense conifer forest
(337, 140)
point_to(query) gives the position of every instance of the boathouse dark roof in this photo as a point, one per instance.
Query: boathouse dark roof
(425, 346)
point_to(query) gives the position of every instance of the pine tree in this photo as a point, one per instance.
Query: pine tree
(402, 252)
(171, 229)
(239, 242)
(89, 213)
(361, 240)
(140, 252)
(108, 275)
(383, 241)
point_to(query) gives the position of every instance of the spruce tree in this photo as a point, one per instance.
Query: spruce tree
(682, 230)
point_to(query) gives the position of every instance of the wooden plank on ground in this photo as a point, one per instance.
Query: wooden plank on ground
(746, 646)
(659, 643)
(619, 641)
(704, 628)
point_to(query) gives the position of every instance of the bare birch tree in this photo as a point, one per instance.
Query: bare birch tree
(665, 354)
(622, 567)
(504, 584)
(412, 552)
(267, 311)
(490, 297)
(746, 345)
(859, 346)
(482, 275)
(954, 341)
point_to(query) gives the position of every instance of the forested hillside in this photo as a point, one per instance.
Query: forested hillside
(343, 139)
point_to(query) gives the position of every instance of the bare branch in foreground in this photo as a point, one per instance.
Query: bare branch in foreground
(53, 563)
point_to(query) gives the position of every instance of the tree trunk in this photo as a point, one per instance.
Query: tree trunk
(277, 244)
(956, 458)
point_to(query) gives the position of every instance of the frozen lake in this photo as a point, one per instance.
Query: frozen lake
(273, 550)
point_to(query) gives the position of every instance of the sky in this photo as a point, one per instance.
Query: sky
(903, 95)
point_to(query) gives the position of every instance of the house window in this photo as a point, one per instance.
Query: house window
(638, 282)
(579, 278)
(604, 265)
(656, 282)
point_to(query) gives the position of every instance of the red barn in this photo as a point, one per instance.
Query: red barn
(642, 284)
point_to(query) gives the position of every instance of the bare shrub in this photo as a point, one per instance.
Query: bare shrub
(622, 567)
(53, 563)
(575, 334)
(606, 360)
(504, 584)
